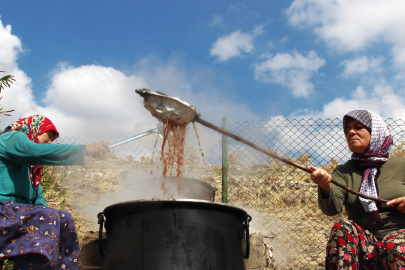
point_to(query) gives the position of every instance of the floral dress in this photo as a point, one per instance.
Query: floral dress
(34, 236)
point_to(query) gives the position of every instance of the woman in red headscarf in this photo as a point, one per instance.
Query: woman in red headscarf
(373, 237)
(31, 234)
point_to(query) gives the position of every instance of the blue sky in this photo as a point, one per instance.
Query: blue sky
(80, 61)
(120, 33)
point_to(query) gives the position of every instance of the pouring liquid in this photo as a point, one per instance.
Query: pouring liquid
(172, 152)
(199, 144)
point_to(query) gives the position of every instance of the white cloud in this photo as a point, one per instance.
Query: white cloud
(10, 47)
(100, 101)
(349, 25)
(361, 65)
(381, 99)
(232, 45)
(359, 93)
(306, 136)
(258, 29)
(99, 98)
(398, 52)
(86, 101)
(216, 20)
(291, 70)
(19, 97)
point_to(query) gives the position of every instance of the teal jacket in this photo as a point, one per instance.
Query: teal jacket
(17, 153)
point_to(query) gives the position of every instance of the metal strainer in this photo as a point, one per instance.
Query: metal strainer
(165, 108)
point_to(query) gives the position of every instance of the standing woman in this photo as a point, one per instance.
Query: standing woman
(31, 234)
(373, 237)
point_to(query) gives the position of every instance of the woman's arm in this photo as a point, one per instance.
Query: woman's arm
(330, 197)
(322, 179)
(21, 150)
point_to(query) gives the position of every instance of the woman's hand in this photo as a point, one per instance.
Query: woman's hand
(322, 179)
(399, 203)
(97, 149)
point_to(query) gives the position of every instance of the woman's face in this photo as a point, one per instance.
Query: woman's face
(357, 136)
(46, 137)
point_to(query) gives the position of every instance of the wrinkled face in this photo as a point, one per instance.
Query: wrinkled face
(46, 137)
(357, 136)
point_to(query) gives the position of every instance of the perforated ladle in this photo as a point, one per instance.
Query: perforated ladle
(164, 108)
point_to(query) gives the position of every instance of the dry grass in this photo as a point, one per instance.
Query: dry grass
(281, 199)
(283, 203)
(257, 189)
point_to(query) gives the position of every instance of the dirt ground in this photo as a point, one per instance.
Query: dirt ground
(283, 207)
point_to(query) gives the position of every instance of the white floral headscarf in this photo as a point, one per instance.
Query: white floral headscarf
(372, 159)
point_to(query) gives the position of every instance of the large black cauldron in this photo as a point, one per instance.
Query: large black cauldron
(175, 234)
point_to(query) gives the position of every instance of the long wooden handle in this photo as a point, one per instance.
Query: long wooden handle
(285, 160)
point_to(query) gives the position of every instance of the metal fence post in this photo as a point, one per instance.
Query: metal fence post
(225, 161)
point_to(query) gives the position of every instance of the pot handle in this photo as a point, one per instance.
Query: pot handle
(246, 239)
(101, 220)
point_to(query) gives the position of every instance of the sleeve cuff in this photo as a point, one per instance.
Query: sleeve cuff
(322, 195)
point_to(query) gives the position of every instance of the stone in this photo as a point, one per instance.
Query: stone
(293, 198)
(261, 255)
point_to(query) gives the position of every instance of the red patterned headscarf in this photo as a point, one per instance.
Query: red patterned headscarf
(33, 126)
(373, 158)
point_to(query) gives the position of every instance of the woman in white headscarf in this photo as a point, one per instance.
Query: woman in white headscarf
(373, 237)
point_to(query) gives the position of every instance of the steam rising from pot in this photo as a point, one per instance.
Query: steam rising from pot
(139, 185)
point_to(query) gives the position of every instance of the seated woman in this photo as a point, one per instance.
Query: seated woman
(31, 234)
(373, 237)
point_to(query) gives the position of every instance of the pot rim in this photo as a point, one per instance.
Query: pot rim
(184, 180)
(144, 205)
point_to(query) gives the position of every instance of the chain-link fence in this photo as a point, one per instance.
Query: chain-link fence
(281, 199)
